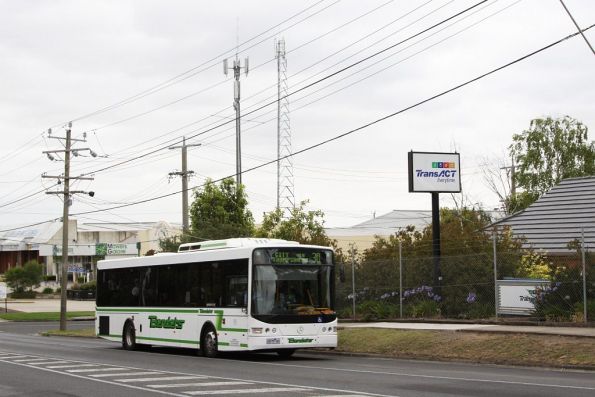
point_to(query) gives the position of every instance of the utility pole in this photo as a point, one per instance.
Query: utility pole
(236, 105)
(66, 203)
(512, 177)
(184, 174)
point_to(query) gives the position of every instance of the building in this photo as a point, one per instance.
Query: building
(88, 243)
(363, 234)
(557, 218)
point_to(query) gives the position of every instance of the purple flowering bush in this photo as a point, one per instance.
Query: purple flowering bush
(422, 302)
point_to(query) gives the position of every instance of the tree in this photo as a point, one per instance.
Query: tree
(549, 151)
(306, 227)
(19, 278)
(466, 259)
(221, 211)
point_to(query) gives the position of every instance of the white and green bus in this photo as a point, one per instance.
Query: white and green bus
(241, 294)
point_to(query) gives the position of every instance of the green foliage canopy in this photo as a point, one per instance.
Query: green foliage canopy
(19, 278)
(549, 151)
(306, 227)
(221, 211)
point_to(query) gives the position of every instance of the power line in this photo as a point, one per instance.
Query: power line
(379, 120)
(350, 66)
(253, 95)
(577, 27)
(191, 72)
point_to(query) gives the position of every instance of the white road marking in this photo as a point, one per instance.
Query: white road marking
(51, 362)
(96, 369)
(244, 391)
(30, 360)
(158, 379)
(404, 374)
(13, 356)
(203, 384)
(124, 374)
(283, 386)
(73, 365)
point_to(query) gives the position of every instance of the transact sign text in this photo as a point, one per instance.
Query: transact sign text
(434, 172)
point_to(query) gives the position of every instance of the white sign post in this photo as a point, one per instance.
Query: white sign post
(3, 296)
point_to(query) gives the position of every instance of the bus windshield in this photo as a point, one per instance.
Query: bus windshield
(292, 282)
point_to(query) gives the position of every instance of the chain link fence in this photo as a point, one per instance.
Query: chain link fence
(523, 284)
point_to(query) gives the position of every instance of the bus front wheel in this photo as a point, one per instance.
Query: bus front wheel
(129, 337)
(208, 343)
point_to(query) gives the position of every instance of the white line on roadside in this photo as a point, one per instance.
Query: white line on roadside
(13, 356)
(158, 379)
(190, 376)
(73, 365)
(203, 384)
(51, 362)
(124, 374)
(244, 391)
(31, 361)
(404, 374)
(96, 369)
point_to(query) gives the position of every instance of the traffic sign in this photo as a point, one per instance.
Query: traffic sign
(2, 290)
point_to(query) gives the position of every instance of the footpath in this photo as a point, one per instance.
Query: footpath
(53, 305)
(522, 329)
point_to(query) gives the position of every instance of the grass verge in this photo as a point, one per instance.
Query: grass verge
(508, 349)
(85, 332)
(42, 316)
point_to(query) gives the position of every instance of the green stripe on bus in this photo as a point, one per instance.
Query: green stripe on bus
(157, 339)
(219, 324)
(193, 342)
(223, 343)
(243, 345)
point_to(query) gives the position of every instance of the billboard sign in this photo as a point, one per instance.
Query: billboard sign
(2, 290)
(434, 172)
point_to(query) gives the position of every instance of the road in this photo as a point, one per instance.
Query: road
(31, 365)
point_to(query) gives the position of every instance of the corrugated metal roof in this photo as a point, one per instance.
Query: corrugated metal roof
(558, 217)
(385, 225)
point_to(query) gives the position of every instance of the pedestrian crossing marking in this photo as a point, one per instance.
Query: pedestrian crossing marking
(244, 391)
(162, 382)
(203, 384)
(159, 379)
(95, 370)
(124, 374)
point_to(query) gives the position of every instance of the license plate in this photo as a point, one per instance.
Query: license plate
(273, 341)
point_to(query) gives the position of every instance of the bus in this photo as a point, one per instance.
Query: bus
(234, 295)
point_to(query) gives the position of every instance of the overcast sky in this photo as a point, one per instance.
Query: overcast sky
(65, 60)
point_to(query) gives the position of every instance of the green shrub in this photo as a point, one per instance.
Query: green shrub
(481, 310)
(579, 310)
(375, 310)
(49, 278)
(23, 294)
(80, 279)
(25, 277)
(58, 290)
(48, 290)
(91, 285)
(423, 309)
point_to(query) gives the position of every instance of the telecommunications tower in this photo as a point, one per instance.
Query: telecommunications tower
(285, 186)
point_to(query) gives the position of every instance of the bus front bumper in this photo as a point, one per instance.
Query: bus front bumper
(267, 342)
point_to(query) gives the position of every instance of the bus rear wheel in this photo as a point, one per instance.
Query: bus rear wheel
(285, 353)
(208, 343)
(129, 337)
